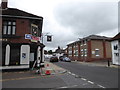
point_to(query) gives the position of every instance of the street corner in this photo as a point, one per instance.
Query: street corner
(114, 66)
(54, 68)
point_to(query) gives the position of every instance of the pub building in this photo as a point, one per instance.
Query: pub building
(21, 33)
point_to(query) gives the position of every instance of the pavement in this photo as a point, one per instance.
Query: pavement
(103, 63)
(52, 68)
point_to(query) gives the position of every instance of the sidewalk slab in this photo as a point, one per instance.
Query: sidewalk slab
(99, 63)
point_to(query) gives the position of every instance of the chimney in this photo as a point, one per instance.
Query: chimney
(4, 4)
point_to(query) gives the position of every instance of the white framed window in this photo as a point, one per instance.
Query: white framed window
(97, 52)
(9, 27)
(70, 53)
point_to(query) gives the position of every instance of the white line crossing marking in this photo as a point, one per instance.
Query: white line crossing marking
(91, 82)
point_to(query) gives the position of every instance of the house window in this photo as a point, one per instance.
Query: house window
(116, 54)
(70, 53)
(97, 52)
(115, 47)
(34, 29)
(9, 28)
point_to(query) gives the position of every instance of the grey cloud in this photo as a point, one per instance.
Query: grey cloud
(87, 18)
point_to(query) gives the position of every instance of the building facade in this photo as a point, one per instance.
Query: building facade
(90, 48)
(21, 33)
(115, 44)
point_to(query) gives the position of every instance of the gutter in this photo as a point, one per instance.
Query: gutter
(20, 17)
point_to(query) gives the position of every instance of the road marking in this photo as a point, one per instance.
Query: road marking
(101, 86)
(73, 74)
(69, 72)
(84, 79)
(64, 87)
(91, 82)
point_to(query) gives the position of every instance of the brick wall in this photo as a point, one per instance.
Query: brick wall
(22, 28)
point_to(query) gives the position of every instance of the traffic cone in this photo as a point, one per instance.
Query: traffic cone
(47, 72)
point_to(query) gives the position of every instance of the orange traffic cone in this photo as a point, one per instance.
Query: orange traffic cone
(47, 72)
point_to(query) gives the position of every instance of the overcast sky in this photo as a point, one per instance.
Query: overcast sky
(68, 20)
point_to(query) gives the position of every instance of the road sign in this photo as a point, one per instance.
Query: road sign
(28, 36)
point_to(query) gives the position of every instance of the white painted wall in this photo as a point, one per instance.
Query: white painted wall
(25, 54)
(7, 55)
(115, 59)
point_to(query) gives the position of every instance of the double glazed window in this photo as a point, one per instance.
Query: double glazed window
(9, 27)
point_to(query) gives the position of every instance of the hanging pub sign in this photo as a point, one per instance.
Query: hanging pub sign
(49, 38)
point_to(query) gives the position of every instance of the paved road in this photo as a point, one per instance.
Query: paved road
(107, 77)
(31, 80)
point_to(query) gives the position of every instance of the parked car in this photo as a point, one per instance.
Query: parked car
(54, 59)
(61, 58)
(66, 59)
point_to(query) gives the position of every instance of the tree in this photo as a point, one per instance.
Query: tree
(50, 52)
(45, 52)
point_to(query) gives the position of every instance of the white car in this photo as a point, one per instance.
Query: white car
(66, 59)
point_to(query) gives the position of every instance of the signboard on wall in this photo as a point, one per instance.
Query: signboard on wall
(35, 39)
(28, 36)
(32, 38)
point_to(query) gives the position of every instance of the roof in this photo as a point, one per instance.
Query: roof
(73, 43)
(97, 37)
(93, 37)
(117, 37)
(13, 12)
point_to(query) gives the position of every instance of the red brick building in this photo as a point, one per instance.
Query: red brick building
(21, 33)
(90, 48)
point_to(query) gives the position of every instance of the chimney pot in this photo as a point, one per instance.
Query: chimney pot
(4, 4)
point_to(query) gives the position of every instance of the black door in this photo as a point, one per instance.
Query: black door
(15, 55)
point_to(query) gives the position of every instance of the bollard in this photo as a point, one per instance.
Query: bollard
(108, 63)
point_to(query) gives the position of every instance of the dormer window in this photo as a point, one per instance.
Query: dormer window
(9, 28)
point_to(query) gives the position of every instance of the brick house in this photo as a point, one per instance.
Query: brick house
(21, 33)
(115, 44)
(90, 48)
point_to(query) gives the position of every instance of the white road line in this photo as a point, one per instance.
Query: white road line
(69, 72)
(91, 82)
(84, 79)
(73, 74)
(64, 87)
(101, 86)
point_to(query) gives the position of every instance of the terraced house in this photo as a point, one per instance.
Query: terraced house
(21, 33)
(90, 48)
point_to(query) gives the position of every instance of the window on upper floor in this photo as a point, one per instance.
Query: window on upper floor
(115, 47)
(34, 30)
(9, 28)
